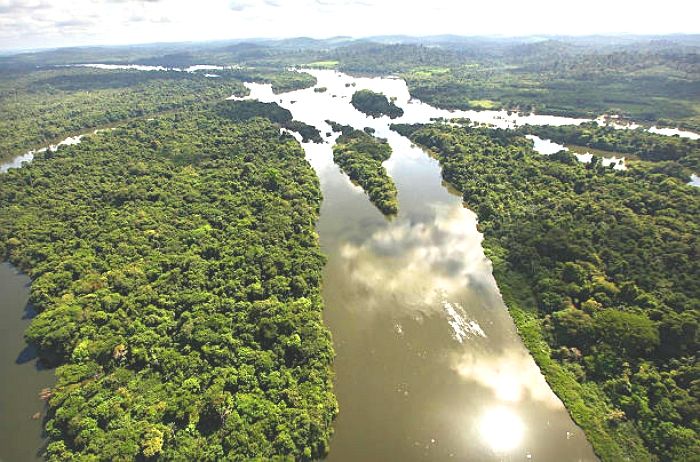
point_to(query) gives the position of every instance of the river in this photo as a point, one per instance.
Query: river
(22, 377)
(429, 365)
(548, 147)
(27, 157)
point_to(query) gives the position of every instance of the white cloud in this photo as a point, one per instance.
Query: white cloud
(511, 375)
(40, 23)
(240, 5)
(10, 6)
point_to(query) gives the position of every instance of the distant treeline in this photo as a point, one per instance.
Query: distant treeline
(45, 106)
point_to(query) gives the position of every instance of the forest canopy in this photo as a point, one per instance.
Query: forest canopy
(176, 274)
(46, 105)
(176, 269)
(360, 156)
(375, 104)
(676, 152)
(245, 110)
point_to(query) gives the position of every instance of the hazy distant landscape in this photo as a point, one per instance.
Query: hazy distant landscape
(389, 247)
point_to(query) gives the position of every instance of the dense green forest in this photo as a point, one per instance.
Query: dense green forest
(601, 272)
(645, 81)
(45, 106)
(375, 104)
(176, 268)
(648, 89)
(243, 110)
(360, 156)
(649, 79)
(176, 274)
(674, 152)
(42, 107)
(281, 80)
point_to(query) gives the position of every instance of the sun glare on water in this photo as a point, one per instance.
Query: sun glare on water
(501, 429)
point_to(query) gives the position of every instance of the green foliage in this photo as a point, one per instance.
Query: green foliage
(653, 79)
(631, 334)
(574, 327)
(176, 268)
(360, 156)
(611, 438)
(375, 58)
(638, 143)
(342, 129)
(239, 111)
(612, 261)
(176, 273)
(308, 133)
(635, 84)
(375, 104)
(45, 106)
(649, 80)
(282, 81)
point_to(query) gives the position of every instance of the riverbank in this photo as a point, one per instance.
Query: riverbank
(597, 313)
(423, 338)
(235, 366)
(73, 137)
(23, 377)
(586, 403)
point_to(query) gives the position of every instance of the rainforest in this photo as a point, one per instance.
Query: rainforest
(352, 249)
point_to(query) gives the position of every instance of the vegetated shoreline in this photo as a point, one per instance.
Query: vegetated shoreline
(586, 407)
(585, 392)
(503, 106)
(360, 156)
(580, 149)
(528, 326)
(516, 295)
(33, 122)
(500, 104)
(89, 130)
(375, 104)
(437, 93)
(307, 302)
(672, 152)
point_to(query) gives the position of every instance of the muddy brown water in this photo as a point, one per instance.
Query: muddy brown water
(429, 366)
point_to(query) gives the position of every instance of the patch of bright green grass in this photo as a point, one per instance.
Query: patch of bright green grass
(426, 72)
(482, 104)
(324, 64)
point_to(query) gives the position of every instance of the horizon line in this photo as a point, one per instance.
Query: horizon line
(19, 50)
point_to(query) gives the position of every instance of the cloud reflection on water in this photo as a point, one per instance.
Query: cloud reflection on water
(418, 263)
(511, 375)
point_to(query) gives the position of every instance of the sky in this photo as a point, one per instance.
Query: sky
(26, 24)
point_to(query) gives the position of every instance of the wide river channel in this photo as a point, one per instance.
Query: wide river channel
(429, 365)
